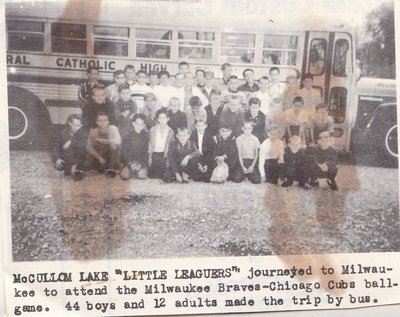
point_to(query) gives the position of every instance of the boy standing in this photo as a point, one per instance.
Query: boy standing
(112, 90)
(194, 112)
(232, 116)
(257, 118)
(150, 109)
(124, 109)
(99, 104)
(276, 88)
(250, 85)
(183, 156)
(213, 111)
(130, 75)
(204, 141)
(103, 146)
(62, 155)
(247, 145)
(86, 87)
(233, 93)
(160, 138)
(134, 150)
(323, 161)
(263, 95)
(164, 91)
(295, 167)
(139, 90)
(311, 96)
(321, 121)
(177, 118)
(296, 120)
(271, 156)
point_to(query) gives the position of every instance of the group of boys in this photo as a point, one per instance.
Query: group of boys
(145, 125)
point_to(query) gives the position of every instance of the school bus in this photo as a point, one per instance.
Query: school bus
(49, 47)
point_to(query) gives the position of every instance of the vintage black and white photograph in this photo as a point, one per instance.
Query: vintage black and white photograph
(198, 128)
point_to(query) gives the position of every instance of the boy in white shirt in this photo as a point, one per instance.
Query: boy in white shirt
(164, 91)
(139, 90)
(271, 156)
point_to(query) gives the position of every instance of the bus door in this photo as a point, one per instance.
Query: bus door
(340, 83)
(329, 61)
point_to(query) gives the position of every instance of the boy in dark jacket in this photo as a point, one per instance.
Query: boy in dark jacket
(134, 151)
(323, 161)
(183, 157)
(295, 166)
(226, 149)
(177, 118)
(62, 155)
(204, 141)
(99, 104)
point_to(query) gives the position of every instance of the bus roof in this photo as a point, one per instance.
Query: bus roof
(204, 14)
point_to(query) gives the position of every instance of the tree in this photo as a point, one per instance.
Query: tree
(377, 50)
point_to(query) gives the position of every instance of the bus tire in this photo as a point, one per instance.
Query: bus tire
(390, 144)
(28, 120)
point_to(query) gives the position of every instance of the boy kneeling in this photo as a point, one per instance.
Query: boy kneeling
(183, 157)
(323, 161)
(103, 146)
(295, 164)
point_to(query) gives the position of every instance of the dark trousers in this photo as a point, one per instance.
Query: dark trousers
(191, 169)
(316, 172)
(254, 177)
(110, 153)
(158, 167)
(271, 168)
(295, 173)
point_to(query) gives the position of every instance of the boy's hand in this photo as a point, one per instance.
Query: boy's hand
(220, 159)
(185, 161)
(323, 167)
(150, 161)
(66, 145)
(101, 140)
(245, 170)
(59, 163)
(250, 169)
(178, 177)
(102, 161)
(202, 169)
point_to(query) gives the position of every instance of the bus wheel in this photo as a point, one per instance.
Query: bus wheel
(391, 147)
(28, 120)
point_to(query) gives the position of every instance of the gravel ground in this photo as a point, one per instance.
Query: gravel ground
(55, 218)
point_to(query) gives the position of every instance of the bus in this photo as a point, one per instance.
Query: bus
(49, 48)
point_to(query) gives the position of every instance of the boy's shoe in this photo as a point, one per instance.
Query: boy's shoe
(314, 182)
(332, 184)
(287, 183)
(78, 175)
(111, 174)
(306, 186)
(185, 178)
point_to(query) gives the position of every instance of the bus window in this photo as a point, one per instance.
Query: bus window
(339, 60)
(279, 49)
(25, 36)
(317, 58)
(111, 41)
(338, 104)
(237, 48)
(195, 45)
(153, 43)
(68, 38)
